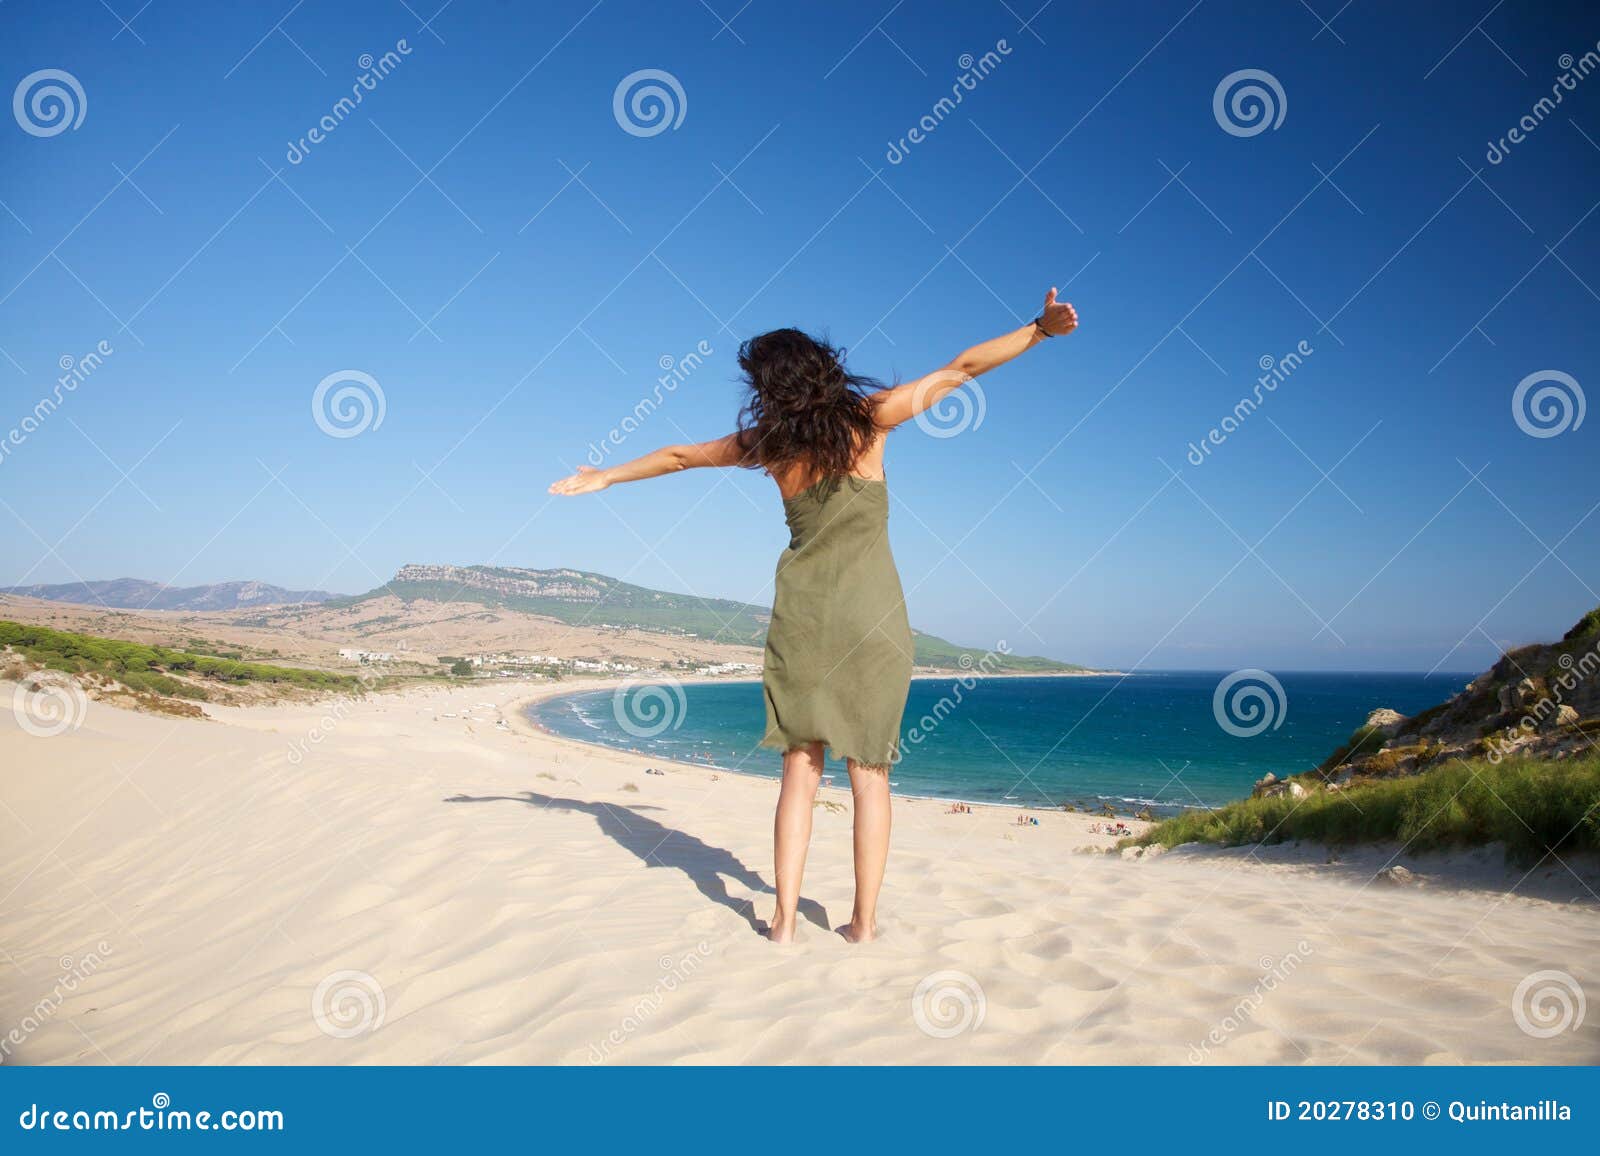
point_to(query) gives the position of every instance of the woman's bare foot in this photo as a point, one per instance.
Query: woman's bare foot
(781, 930)
(859, 932)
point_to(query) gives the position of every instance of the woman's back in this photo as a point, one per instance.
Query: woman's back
(804, 475)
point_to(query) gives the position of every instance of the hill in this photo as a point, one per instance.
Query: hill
(138, 594)
(1512, 759)
(150, 677)
(582, 598)
(1539, 701)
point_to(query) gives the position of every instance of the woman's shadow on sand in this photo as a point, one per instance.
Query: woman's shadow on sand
(658, 845)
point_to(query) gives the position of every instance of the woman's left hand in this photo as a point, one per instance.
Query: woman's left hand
(587, 480)
(1059, 318)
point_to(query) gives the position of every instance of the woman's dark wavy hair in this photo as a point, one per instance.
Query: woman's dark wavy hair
(804, 407)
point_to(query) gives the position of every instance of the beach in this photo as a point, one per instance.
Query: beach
(423, 877)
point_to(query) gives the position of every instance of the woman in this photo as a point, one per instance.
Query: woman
(839, 647)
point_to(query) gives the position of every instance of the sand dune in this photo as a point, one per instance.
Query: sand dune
(410, 888)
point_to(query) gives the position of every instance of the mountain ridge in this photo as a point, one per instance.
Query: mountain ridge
(583, 597)
(142, 594)
(573, 597)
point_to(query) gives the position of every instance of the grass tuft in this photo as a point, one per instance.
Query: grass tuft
(1530, 805)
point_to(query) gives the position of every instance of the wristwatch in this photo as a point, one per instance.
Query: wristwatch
(1040, 329)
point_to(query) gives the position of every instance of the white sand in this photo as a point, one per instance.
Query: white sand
(176, 891)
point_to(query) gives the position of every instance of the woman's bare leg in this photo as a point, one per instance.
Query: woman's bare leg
(870, 787)
(791, 833)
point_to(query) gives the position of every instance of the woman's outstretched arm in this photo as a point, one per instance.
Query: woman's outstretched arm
(724, 452)
(906, 401)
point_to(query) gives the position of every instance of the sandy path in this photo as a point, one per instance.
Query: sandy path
(176, 892)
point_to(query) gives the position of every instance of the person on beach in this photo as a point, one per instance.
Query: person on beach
(839, 647)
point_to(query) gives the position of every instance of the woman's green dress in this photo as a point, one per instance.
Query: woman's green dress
(839, 648)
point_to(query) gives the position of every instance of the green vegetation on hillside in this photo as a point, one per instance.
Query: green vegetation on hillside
(1585, 626)
(150, 669)
(639, 607)
(619, 605)
(1530, 805)
(934, 651)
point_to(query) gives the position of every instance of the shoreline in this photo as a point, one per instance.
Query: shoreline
(1124, 813)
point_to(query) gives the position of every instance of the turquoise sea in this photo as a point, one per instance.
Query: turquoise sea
(1148, 739)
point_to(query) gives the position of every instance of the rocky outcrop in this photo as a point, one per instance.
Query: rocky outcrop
(566, 585)
(1386, 720)
(1541, 700)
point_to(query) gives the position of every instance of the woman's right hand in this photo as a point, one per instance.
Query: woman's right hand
(587, 480)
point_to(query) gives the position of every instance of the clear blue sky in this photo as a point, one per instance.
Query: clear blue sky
(1068, 523)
